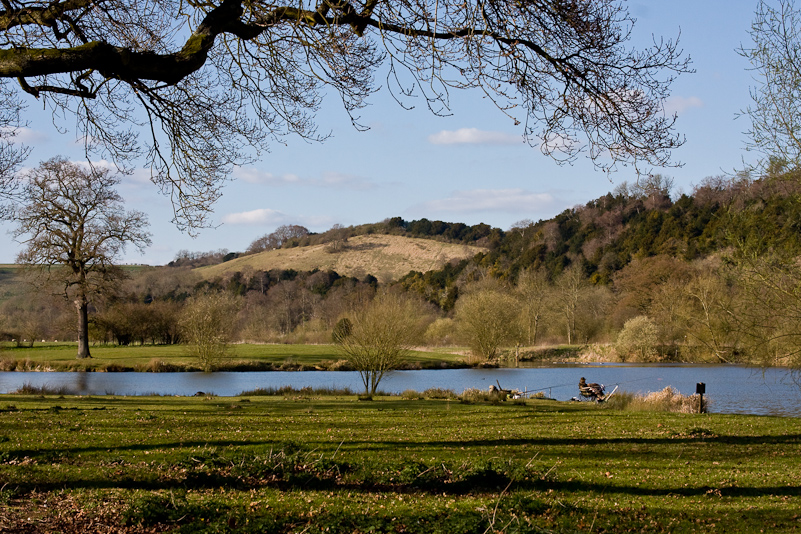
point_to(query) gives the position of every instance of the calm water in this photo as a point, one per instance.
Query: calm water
(731, 389)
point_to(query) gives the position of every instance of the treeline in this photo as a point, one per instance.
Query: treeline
(707, 275)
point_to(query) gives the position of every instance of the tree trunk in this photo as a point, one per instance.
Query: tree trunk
(83, 327)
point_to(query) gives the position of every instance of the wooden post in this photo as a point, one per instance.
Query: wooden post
(700, 388)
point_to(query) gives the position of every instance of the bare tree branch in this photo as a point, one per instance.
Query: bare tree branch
(214, 78)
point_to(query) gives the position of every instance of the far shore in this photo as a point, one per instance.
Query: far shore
(261, 357)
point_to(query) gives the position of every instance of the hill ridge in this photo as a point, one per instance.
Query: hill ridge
(387, 257)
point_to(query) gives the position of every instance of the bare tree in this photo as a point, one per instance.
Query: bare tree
(11, 155)
(571, 289)
(380, 336)
(710, 314)
(73, 226)
(533, 290)
(207, 324)
(487, 319)
(776, 59)
(208, 80)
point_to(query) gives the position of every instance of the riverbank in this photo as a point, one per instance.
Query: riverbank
(317, 464)
(60, 357)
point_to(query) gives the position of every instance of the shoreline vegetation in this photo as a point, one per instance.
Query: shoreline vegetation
(307, 461)
(245, 357)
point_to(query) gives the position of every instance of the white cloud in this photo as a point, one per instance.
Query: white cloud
(255, 176)
(680, 104)
(272, 218)
(483, 200)
(343, 181)
(473, 136)
(255, 217)
(328, 179)
(28, 136)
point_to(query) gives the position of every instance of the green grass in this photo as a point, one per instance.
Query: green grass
(305, 463)
(61, 357)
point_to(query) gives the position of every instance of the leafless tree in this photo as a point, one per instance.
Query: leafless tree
(571, 289)
(73, 226)
(533, 290)
(380, 336)
(11, 154)
(776, 59)
(486, 320)
(207, 323)
(211, 81)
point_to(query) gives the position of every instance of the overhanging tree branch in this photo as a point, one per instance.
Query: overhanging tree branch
(216, 76)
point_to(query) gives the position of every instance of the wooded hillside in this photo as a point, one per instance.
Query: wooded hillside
(710, 274)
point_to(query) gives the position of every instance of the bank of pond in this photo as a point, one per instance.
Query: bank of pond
(727, 388)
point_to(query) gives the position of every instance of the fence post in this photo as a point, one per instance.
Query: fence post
(700, 389)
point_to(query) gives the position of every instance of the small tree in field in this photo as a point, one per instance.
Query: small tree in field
(380, 337)
(207, 325)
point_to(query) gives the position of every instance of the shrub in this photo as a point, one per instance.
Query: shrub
(439, 393)
(441, 332)
(292, 391)
(486, 319)
(29, 389)
(639, 338)
(667, 400)
(207, 323)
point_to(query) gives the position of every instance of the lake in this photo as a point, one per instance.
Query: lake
(730, 389)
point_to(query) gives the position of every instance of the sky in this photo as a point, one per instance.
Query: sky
(470, 167)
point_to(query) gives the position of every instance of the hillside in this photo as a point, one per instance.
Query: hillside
(10, 284)
(387, 257)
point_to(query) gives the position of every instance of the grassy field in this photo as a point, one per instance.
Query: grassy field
(61, 357)
(334, 464)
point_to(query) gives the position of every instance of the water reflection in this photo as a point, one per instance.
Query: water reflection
(731, 389)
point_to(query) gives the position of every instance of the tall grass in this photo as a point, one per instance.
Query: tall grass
(284, 391)
(667, 400)
(29, 389)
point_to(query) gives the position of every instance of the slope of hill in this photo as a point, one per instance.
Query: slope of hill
(387, 257)
(10, 284)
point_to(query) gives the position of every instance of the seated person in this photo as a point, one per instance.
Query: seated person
(591, 390)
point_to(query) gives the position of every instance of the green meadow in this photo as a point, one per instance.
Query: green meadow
(312, 464)
(244, 356)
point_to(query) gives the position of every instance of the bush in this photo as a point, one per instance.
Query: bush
(439, 393)
(30, 389)
(207, 324)
(667, 400)
(486, 320)
(442, 332)
(639, 338)
(292, 391)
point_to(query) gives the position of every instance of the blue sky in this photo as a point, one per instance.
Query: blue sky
(469, 167)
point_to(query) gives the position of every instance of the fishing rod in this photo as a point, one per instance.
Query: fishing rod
(529, 392)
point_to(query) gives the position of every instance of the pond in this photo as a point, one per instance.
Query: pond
(730, 389)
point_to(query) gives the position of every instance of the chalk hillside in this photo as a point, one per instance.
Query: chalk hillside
(387, 257)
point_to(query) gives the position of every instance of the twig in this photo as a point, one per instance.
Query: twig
(336, 451)
(495, 511)
(549, 471)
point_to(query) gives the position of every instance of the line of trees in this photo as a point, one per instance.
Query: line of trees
(656, 308)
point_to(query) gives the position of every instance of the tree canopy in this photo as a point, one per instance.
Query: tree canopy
(213, 83)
